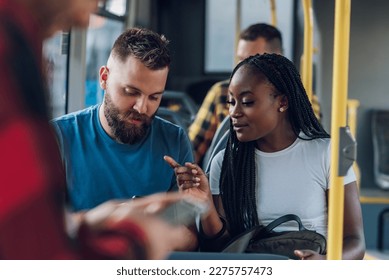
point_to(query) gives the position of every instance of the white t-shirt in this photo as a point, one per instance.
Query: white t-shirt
(291, 181)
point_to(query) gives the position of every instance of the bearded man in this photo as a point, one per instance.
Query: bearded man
(115, 150)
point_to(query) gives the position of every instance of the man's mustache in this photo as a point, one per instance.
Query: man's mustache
(134, 115)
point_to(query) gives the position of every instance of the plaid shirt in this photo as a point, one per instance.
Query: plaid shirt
(210, 115)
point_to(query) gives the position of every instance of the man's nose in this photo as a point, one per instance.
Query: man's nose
(141, 105)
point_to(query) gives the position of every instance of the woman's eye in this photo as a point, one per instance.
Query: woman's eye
(230, 102)
(247, 103)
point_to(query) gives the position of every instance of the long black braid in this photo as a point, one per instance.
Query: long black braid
(238, 173)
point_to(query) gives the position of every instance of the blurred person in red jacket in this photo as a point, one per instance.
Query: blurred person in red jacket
(32, 183)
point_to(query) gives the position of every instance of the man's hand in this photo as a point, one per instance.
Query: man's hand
(161, 236)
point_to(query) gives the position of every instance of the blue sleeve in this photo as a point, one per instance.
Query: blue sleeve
(186, 151)
(185, 155)
(59, 136)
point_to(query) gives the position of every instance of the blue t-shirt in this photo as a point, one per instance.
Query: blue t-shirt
(98, 168)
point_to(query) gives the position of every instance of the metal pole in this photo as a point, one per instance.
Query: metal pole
(237, 27)
(308, 48)
(273, 12)
(338, 120)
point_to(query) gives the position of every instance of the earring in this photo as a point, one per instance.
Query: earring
(281, 109)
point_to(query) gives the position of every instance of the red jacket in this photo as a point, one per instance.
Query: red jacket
(32, 184)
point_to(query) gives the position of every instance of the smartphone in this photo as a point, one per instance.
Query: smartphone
(183, 212)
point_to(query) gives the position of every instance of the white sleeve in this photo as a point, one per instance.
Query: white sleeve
(350, 176)
(214, 174)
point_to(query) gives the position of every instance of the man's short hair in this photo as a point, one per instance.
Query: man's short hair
(270, 33)
(143, 44)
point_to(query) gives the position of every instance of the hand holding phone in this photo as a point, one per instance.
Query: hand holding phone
(183, 212)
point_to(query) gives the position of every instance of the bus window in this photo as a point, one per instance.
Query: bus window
(220, 28)
(103, 30)
(101, 35)
(55, 51)
(116, 7)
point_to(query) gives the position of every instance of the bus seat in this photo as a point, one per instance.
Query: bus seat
(181, 103)
(383, 235)
(223, 256)
(218, 143)
(173, 117)
(380, 135)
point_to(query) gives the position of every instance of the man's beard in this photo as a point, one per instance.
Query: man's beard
(122, 129)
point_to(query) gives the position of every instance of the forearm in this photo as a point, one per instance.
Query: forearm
(213, 233)
(353, 248)
(188, 241)
(211, 223)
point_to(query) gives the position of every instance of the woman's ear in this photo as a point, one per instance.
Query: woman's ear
(284, 104)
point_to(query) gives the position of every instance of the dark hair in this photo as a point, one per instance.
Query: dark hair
(145, 45)
(262, 30)
(237, 178)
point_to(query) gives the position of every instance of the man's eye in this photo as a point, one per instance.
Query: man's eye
(129, 92)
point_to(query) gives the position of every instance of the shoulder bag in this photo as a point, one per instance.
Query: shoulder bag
(263, 239)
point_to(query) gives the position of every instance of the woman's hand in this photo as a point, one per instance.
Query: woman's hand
(309, 255)
(191, 179)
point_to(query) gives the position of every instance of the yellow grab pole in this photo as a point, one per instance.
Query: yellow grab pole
(273, 12)
(237, 27)
(308, 48)
(338, 119)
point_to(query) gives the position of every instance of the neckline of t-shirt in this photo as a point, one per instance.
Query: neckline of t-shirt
(281, 152)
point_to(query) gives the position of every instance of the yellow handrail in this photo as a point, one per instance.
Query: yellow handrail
(338, 119)
(308, 48)
(237, 27)
(273, 12)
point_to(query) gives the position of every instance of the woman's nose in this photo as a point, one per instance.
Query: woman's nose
(235, 111)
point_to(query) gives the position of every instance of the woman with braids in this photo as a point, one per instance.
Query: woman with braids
(276, 162)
